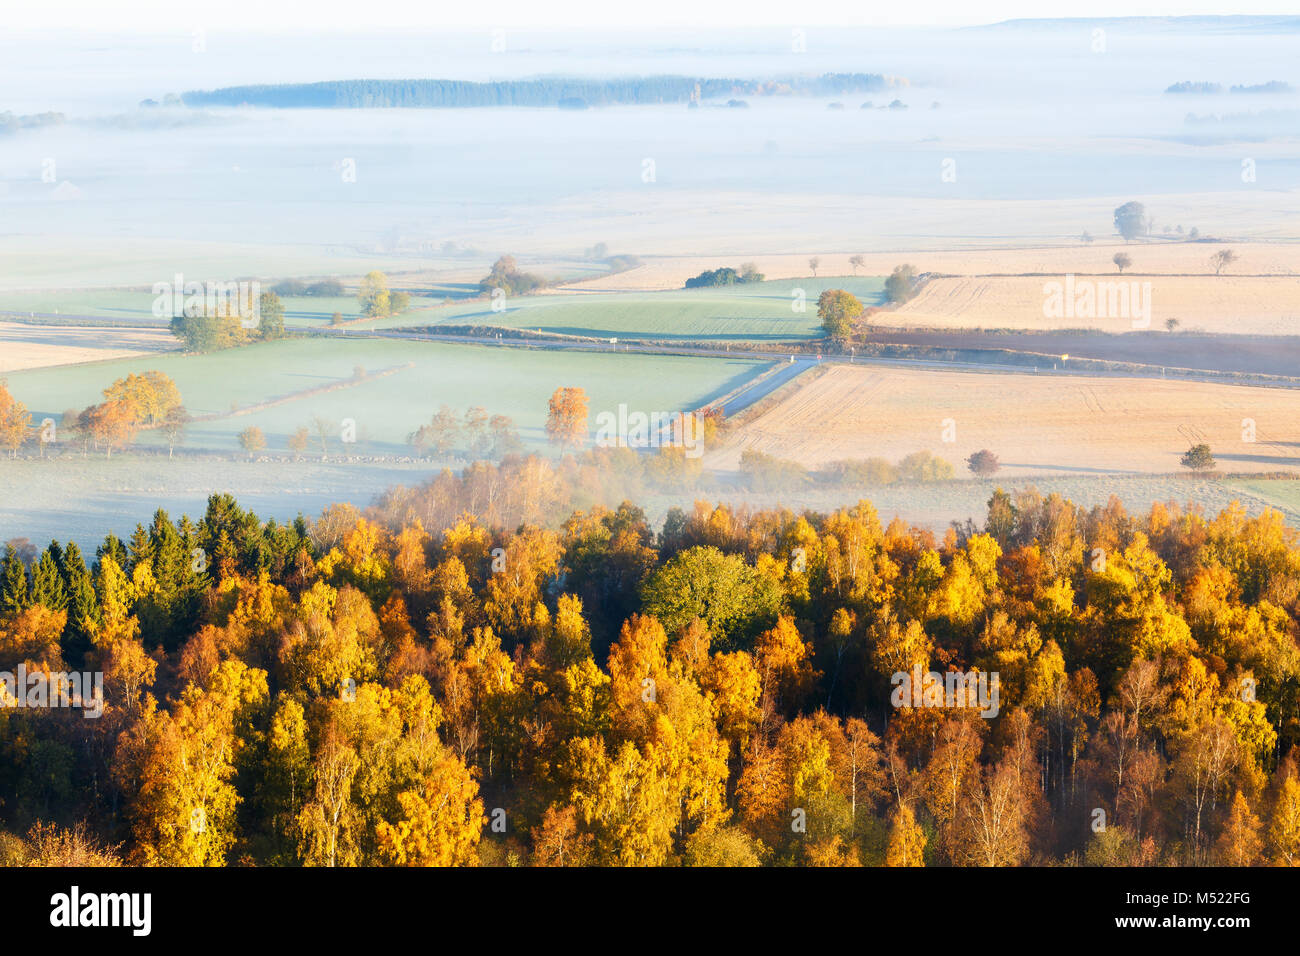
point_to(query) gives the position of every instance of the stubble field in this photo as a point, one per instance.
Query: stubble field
(1036, 424)
(37, 346)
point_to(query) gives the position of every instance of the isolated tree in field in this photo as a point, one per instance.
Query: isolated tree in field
(1171, 325)
(111, 424)
(857, 262)
(476, 431)
(148, 395)
(208, 332)
(813, 263)
(46, 434)
(173, 427)
(1222, 259)
(505, 439)
(1122, 261)
(1198, 458)
(252, 440)
(14, 421)
(899, 285)
(439, 436)
(983, 463)
(922, 466)
(323, 428)
(270, 316)
(1131, 220)
(566, 419)
(71, 430)
(840, 312)
(298, 442)
(507, 277)
(375, 299)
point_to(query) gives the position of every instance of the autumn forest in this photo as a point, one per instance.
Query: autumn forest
(477, 672)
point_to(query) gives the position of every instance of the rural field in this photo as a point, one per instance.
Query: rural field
(763, 311)
(1227, 304)
(123, 306)
(24, 346)
(68, 498)
(78, 269)
(1281, 494)
(973, 288)
(1037, 424)
(1049, 257)
(311, 378)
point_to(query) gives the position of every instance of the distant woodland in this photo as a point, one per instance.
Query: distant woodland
(543, 91)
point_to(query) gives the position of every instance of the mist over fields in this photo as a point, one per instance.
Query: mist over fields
(1028, 113)
(1014, 138)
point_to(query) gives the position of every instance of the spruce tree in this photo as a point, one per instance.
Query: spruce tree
(83, 606)
(15, 594)
(47, 582)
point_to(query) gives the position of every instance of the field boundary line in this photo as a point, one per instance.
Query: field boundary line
(294, 396)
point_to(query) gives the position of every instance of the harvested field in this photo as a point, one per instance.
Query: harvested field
(38, 346)
(1036, 424)
(1240, 305)
(1244, 354)
(1154, 257)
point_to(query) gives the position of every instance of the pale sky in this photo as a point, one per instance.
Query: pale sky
(169, 16)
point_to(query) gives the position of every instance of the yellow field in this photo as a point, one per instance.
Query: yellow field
(1221, 304)
(39, 346)
(1036, 424)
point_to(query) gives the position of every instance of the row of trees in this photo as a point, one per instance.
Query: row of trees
(140, 400)
(543, 91)
(474, 432)
(1219, 261)
(359, 690)
(764, 472)
(206, 330)
(843, 315)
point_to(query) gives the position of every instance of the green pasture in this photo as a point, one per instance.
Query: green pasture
(507, 381)
(765, 311)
